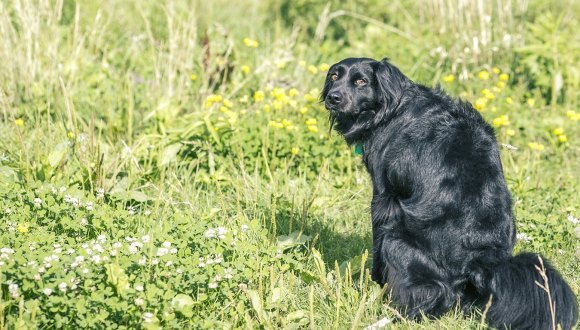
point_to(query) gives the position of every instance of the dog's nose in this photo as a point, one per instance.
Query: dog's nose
(334, 97)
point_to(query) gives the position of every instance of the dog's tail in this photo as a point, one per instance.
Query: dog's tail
(526, 292)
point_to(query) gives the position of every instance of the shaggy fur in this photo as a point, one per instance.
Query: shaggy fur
(442, 221)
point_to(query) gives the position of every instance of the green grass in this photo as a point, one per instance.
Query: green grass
(129, 129)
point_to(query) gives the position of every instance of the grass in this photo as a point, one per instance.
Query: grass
(168, 165)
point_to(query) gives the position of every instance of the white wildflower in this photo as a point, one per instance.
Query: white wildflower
(523, 237)
(62, 286)
(573, 219)
(148, 317)
(139, 287)
(37, 202)
(161, 251)
(166, 244)
(13, 289)
(139, 302)
(210, 233)
(146, 239)
(100, 193)
(47, 291)
(221, 232)
(212, 285)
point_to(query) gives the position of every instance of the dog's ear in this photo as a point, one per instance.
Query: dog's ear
(391, 84)
(325, 89)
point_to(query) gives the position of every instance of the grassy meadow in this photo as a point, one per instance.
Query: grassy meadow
(167, 164)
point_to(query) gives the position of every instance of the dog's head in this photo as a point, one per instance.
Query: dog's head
(360, 93)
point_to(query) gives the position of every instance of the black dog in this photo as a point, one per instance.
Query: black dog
(443, 228)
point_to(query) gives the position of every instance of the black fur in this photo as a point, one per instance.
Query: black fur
(443, 227)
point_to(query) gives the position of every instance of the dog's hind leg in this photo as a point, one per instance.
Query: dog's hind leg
(417, 285)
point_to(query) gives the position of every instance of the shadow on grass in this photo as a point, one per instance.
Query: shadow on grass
(337, 239)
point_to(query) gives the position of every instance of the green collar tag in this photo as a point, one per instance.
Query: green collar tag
(358, 149)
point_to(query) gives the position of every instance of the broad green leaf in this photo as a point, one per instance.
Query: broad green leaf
(57, 155)
(183, 304)
(169, 153)
(117, 277)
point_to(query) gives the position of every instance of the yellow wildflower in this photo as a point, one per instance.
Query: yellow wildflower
(509, 100)
(496, 70)
(558, 131)
(488, 94)
(573, 115)
(324, 67)
(258, 96)
(19, 122)
(302, 63)
(480, 103)
(280, 95)
(536, 146)
(267, 108)
(281, 64)
(500, 121)
(295, 151)
(276, 124)
(500, 84)
(193, 77)
(311, 121)
(510, 132)
(70, 134)
(313, 128)
(23, 227)
(312, 69)
(212, 99)
(228, 103)
(531, 102)
(244, 99)
(303, 110)
(483, 75)
(449, 78)
(562, 138)
(277, 105)
(245, 69)
(292, 92)
(250, 43)
(504, 77)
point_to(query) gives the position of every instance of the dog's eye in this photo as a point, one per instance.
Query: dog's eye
(360, 82)
(333, 76)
